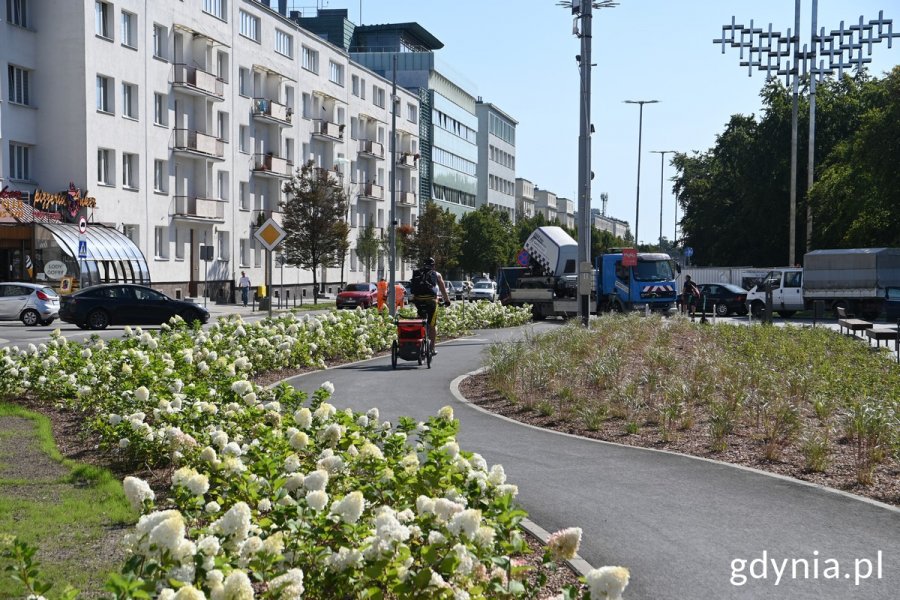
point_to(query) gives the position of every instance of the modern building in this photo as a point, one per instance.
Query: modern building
(496, 158)
(173, 125)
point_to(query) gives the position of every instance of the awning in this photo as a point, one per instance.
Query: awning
(104, 245)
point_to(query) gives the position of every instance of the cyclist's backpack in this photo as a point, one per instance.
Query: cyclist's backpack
(422, 282)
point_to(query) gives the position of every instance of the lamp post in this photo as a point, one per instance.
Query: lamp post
(637, 208)
(392, 259)
(662, 158)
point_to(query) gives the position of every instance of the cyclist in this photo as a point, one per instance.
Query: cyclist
(425, 284)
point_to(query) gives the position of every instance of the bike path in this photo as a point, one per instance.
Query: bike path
(677, 522)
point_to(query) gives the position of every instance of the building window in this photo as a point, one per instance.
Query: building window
(243, 196)
(18, 85)
(244, 252)
(222, 66)
(19, 161)
(129, 101)
(179, 245)
(104, 166)
(244, 82)
(129, 29)
(307, 105)
(101, 14)
(249, 26)
(378, 96)
(222, 185)
(222, 126)
(412, 113)
(104, 94)
(216, 8)
(160, 41)
(310, 59)
(132, 232)
(354, 85)
(160, 243)
(222, 243)
(159, 176)
(17, 12)
(284, 43)
(244, 139)
(336, 73)
(129, 171)
(160, 111)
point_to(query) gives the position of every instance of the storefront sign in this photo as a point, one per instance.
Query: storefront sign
(71, 202)
(55, 269)
(11, 204)
(66, 285)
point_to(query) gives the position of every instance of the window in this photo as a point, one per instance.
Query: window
(129, 171)
(129, 101)
(336, 73)
(160, 178)
(378, 96)
(249, 26)
(104, 94)
(289, 150)
(160, 243)
(244, 252)
(222, 185)
(243, 196)
(132, 232)
(18, 85)
(244, 82)
(310, 59)
(307, 106)
(354, 85)
(129, 29)
(412, 113)
(160, 111)
(19, 161)
(222, 66)
(179, 244)
(284, 43)
(244, 139)
(17, 12)
(216, 8)
(222, 126)
(104, 158)
(160, 41)
(222, 244)
(101, 20)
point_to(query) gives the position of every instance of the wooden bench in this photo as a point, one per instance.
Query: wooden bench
(885, 334)
(852, 325)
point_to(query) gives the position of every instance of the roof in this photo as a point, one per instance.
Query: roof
(413, 29)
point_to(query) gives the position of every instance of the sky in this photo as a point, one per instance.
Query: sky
(520, 56)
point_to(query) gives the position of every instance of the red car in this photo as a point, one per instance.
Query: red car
(358, 294)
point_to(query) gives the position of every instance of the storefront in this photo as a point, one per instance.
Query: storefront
(39, 243)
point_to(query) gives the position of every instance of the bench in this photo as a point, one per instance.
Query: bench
(880, 334)
(852, 325)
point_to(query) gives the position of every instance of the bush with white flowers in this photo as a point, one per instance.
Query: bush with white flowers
(277, 495)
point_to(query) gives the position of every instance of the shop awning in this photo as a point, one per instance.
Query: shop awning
(104, 244)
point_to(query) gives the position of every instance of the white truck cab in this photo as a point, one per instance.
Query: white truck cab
(787, 292)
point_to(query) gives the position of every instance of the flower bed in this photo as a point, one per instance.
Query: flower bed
(277, 495)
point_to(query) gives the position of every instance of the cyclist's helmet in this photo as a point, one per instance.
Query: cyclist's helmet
(429, 262)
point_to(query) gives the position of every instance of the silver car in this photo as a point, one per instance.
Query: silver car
(484, 290)
(33, 304)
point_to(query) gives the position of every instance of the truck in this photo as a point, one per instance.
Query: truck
(549, 282)
(860, 280)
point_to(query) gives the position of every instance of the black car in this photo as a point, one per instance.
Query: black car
(98, 306)
(727, 298)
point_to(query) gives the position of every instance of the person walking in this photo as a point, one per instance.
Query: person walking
(382, 286)
(244, 285)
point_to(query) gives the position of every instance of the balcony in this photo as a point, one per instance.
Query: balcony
(198, 145)
(406, 198)
(202, 210)
(197, 82)
(328, 131)
(408, 161)
(269, 165)
(259, 216)
(330, 176)
(371, 191)
(270, 111)
(371, 149)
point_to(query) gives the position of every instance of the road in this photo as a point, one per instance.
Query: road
(677, 522)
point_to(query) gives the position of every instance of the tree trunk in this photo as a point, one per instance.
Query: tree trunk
(315, 286)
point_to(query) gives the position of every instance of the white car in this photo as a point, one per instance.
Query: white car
(33, 304)
(484, 290)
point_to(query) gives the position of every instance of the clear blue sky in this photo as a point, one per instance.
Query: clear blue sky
(520, 55)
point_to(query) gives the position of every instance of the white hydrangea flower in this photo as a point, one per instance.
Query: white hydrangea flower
(289, 585)
(212, 507)
(328, 387)
(343, 559)
(370, 450)
(607, 582)
(189, 592)
(324, 412)
(293, 482)
(209, 545)
(317, 499)
(137, 491)
(234, 523)
(299, 440)
(497, 476)
(465, 523)
(485, 536)
(508, 488)
(444, 508)
(317, 480)
(237, 586)
(291, 463)
(303, 418)
(446, 413)
(350, 507)
(424, 505)
(451, 448)
(564, 543)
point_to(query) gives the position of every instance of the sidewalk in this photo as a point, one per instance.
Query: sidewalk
(252, 309)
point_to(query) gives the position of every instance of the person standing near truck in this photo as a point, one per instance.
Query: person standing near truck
(690, 295)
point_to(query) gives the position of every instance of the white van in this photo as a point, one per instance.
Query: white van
(787, 292)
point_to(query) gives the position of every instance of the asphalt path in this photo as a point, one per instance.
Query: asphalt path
(681, 524)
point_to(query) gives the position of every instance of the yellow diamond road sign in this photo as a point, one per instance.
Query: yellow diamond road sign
(270, 234)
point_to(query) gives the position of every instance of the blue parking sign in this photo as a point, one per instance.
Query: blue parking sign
(82, 248)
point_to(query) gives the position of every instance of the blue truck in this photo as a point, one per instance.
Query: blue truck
(550, 280)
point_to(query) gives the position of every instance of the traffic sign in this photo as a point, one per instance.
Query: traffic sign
(688, 251)
(82, 225)
(270, 234)
(522, 258)
(82, 248)
(629, 257)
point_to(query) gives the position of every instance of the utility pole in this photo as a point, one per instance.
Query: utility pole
(662, 157)
(637, 207)
(392, 235)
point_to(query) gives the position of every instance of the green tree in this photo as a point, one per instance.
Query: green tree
(367, 246)
(314, 210)
(437, 236)
(342, 230)
(488, 240)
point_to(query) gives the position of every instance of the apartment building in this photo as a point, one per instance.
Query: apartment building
(565, 212)
(524, 198)
(173, 125)
(496, 158)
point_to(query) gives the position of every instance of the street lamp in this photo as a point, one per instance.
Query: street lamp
(637, 209)
(662, 158)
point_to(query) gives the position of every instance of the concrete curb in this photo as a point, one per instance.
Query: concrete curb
(578, 564)
(454, 389)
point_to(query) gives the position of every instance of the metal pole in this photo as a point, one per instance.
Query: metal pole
(584, 155)
(392, 236)
(795, 88)
(662, 156)
(810, 167)
(269, 280)
(637, 208)
(205, 277)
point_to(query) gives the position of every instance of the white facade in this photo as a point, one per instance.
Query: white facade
(496, 158)
(524, 198)
(185, 118)
(545, 203)
(565, 212)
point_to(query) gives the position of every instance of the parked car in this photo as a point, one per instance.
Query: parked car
(726, 297)
(357, 294)
(484, 290)
(106, 304)
(33, 304)
(458, 290)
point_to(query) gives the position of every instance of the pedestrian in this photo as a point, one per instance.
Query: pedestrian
(399, 295)
(690, 295)
(382, 286)
(244, 284)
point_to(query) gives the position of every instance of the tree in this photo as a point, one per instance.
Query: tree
(314, 212)
(437, 236)
(488, 240)
(367, 246)
(342, 230)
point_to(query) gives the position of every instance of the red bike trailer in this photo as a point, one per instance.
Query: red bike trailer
(412, 342)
